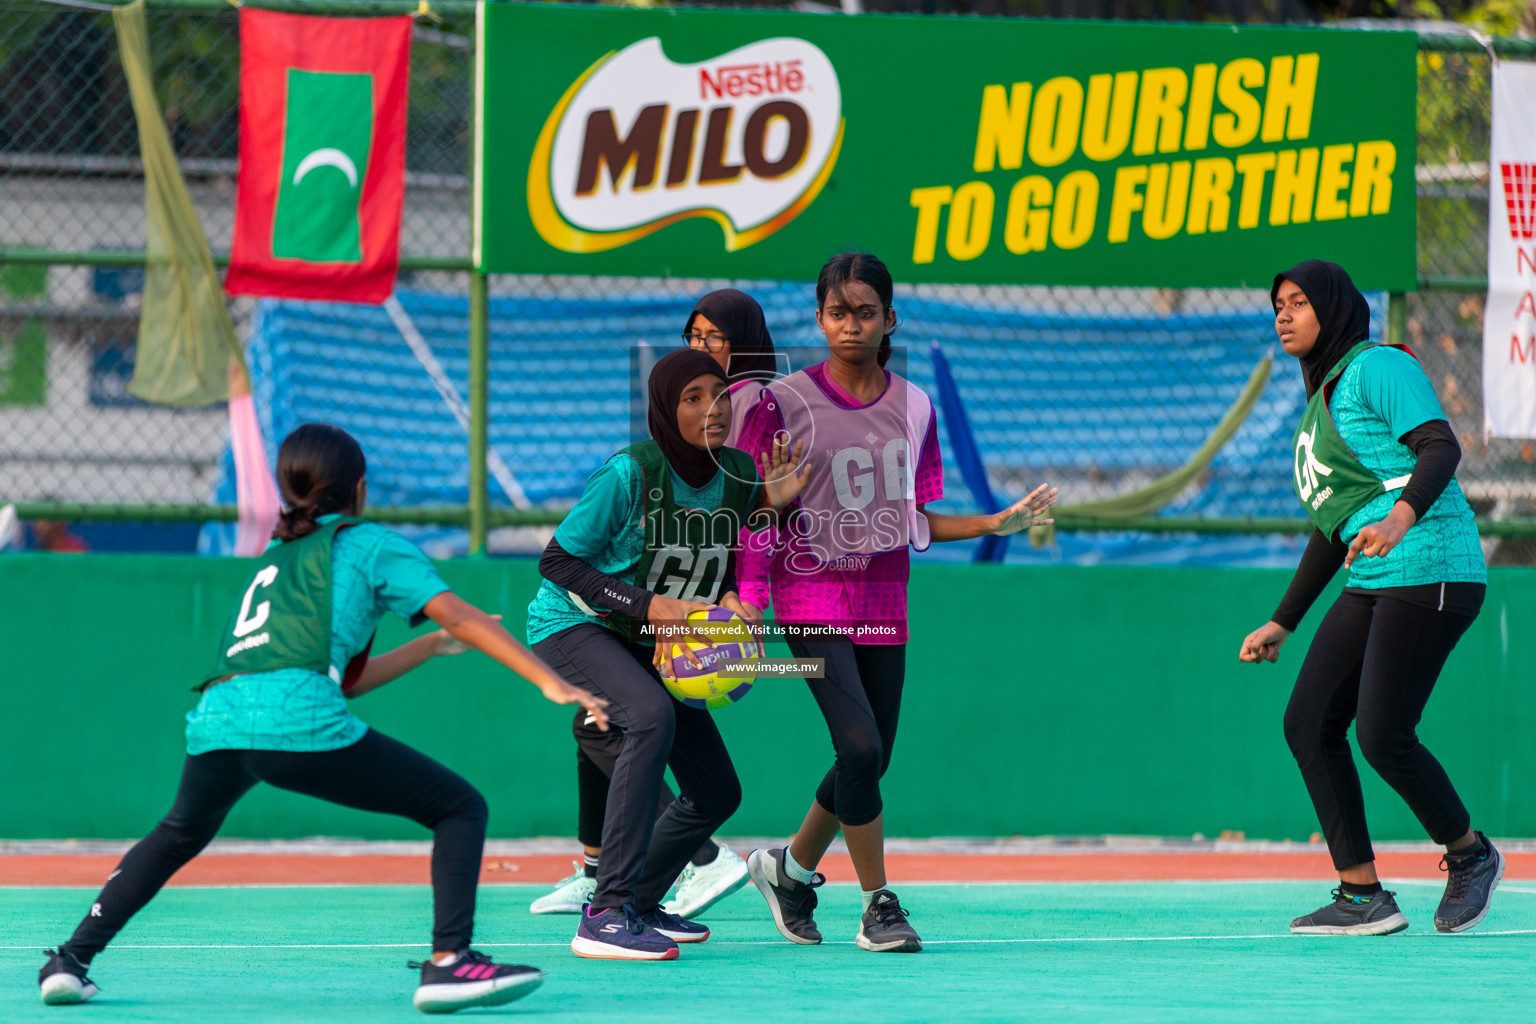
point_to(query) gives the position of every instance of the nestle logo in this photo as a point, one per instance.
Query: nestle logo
(765, 77)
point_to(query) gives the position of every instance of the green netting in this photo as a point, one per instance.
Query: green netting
(1164, 952)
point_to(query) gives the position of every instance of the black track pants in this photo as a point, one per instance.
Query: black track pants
(1374, 661)
(374, 774)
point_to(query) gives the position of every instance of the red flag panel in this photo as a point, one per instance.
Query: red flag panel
(322, 156)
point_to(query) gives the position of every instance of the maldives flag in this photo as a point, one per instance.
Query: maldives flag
(322, 156)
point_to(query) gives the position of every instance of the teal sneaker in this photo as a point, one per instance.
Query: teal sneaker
(702, 886)
(569, 895)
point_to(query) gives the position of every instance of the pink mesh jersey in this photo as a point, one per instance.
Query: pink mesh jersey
(744, 395)
(846, 561)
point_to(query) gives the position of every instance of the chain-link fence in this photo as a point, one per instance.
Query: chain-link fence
(72, 203)
(1056, 380)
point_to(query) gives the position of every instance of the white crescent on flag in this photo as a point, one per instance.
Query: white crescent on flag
(326, 158)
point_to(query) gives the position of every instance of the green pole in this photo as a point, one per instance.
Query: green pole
(1397, 318)
(479, 410)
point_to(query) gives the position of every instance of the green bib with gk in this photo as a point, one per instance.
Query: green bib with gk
(1331, 483)
(284, 617)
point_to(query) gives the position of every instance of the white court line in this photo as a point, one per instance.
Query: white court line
(942, 883)
(1414, 881)
(1042, 940)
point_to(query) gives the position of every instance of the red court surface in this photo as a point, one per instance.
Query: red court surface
(91, 869)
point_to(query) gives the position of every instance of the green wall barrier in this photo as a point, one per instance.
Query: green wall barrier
(1039, 701)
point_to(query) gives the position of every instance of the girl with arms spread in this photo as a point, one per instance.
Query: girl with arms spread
(274, 710)
(838, 580)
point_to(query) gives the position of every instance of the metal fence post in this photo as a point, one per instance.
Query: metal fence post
(479, 406)
(1397, 318)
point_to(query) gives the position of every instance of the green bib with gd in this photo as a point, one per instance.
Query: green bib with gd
(284, 617)
(1330, 481)
(686, 550)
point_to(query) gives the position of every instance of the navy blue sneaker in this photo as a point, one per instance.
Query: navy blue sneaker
(472, 980)
(678, 929)
(618, 933)
(1471, 879)
(63, 980)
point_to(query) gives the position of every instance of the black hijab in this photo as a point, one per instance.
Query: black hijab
(740, 319)
(1343, 318)
(670, 375)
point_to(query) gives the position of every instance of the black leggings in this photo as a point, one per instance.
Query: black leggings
(374, 774)
(643, 854)
(860, 697)
(1374, 660)
(596, 754)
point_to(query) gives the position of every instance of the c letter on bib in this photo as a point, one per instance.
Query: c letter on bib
(248, 622)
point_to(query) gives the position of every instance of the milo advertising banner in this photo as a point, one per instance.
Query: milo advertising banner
(754, 144)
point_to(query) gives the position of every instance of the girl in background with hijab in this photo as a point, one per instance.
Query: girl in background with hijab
(1374, 467)
(729, 325)
(651, 540)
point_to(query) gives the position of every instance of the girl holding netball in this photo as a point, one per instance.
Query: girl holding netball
(728, 324)
(1375, 464)
(273, 710)
(838, 574)
(650, 541)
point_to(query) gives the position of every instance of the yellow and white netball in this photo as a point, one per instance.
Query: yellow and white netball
(705, 685)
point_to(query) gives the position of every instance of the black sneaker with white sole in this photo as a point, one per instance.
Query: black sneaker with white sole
(792, 903)
(472, 980)
(62, 980)
(1471, 879)
(1376, 914)
(884, 927)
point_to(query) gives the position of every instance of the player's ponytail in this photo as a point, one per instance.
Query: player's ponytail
(318, 469)
(865, 269)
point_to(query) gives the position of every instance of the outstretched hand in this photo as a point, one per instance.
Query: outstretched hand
(562, 692)
(447, 646)
(781, 483)
(1026, 512)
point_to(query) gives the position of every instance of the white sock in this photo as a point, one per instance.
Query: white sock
(447, 961)
(870, 894)
(795, 871)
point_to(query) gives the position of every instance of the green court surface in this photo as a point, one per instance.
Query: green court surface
(1156, 952)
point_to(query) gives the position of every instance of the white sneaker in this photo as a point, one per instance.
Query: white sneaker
(699, 888)
(569, 896)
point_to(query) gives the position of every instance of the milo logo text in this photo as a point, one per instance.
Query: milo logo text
(747, 139)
